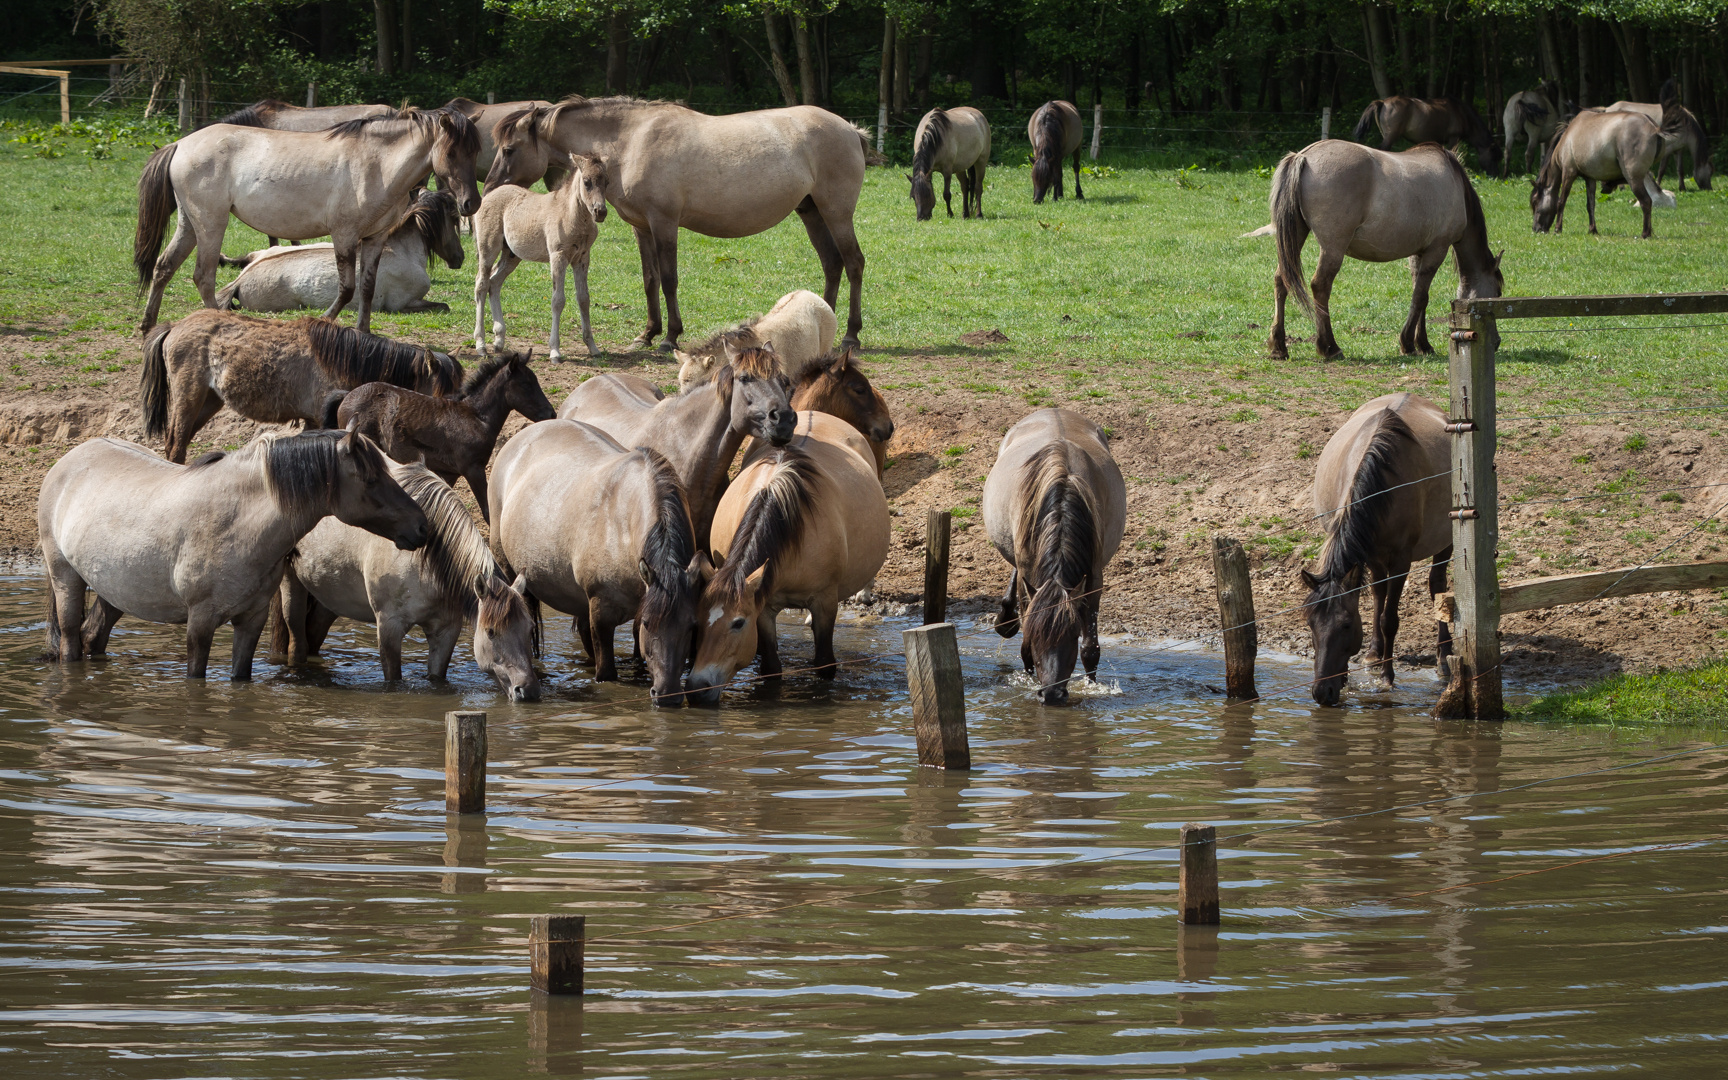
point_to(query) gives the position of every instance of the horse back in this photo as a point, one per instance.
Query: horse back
(1416, 474)
(1011, 495)
(617, 403)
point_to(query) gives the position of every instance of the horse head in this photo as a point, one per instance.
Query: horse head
(923, 194)
(522, 155)
(694, 367)
(1335, 619)
(1050, 637)
(453, 153)
(667, 619)
(587, 183)
(836, 386)
(362, 492)
(1544, 205)
(436, 218)
(759, 393)
(726, 635)
(507, 637)
(522, 390)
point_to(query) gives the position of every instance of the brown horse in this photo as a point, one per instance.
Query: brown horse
(669, 167)
(1055, 508)
(1374, 206)
(1382, 485)
(1055, 132)
(1424, 120)
(272, 371)
(1616, 147)
(453, 435)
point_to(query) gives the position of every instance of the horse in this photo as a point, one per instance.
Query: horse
(604, 534)
(282, 279)
(558, 227)
(1425, 120)
(1055, 508)
(485, 118)
(1611, 146)
(1681, 131)
(352, 182)
(1376, 207)
(452, 435)
(1533, 114)
(1384, 488)
(272, 371)
(669, 167)
(799, 328)
(951, 141)
(699, 431)
(200, 544)
(338, 570)
(1055, 131)
(805, 526)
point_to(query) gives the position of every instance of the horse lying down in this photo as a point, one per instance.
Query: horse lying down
(799, 328)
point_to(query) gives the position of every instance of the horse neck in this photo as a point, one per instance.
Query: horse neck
(406, 160)
(272, 525)
(703, 442)
(593, 129)
(489, 403)
(1475, 257)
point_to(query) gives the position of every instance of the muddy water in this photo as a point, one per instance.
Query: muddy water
(260, 881)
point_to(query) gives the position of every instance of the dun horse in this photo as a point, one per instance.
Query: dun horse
(799, 328)
(1425, 120)
(485, 118)
(1055, 508)
(269, 370)
(352, 182)
(452, 435)
(1598, 146)
(1374, 206)
(602, 533)
(557, 227)
(200, 544)
(951, 141)
(1534, 114)
(669, 167)
(282, 279)
(803, 526)
(1055, 132)
(1681, 131)
(1382, 484)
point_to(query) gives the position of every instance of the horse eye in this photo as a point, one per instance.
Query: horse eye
(738, 623)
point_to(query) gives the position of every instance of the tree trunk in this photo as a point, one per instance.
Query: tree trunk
(728, 61)
(806, 61)
(921, 77)
(885, 76)
(1495, 91)
(407, 38)
(1131, 96)
(824, 73)
(1406, 74)
(386, 23)
(1374, 32)
(617, 53)
(1433, 56)
(1549, 51)
(902, 66)
(1586, 69)
(1630, 38)
(777, 58)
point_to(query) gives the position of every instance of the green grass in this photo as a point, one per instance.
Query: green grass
(1690, 696)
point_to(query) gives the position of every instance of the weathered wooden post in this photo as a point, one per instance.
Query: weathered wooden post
(1097, 128)
(1197, 880)
(1236, 616)
(185, 109)
(1325, 123)
(491, 97)
(555, 953)
(938, 525)
(312, 95)
(1475, 689)
(938, 698)
(464, 762)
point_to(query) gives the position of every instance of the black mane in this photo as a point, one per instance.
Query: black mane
(355, 358)
(1353, 527)
(773, 523)
(670, 545)
(934, 136)
(256, 114)
(482, 373)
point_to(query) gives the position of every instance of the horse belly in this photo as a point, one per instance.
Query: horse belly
(329, 565)
(401, 281)
(526, 238)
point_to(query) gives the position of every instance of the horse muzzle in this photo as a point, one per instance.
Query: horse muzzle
(1329, 692)
(785, 423)
(1054, 695)
(703, 688)
(413, 537)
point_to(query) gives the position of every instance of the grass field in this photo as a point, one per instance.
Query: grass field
(1691, 696)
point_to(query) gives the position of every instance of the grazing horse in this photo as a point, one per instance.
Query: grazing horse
(200, 544)
(669, 167)
(799, 328)
(602, 533)
(558, 228)
(269, 370)
(1681, 131)
(1055, 132)
(451, 435)
(1425, 120)
(804, 526)
(1598, 146)
(338, 570)
(282, 279)
(352, 182)
(1533, 114)
(950, 141)
(1376, 207)
(1055, 508)
(1382, 485)
(700, 431)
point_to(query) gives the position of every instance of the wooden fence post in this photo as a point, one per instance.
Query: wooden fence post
(938, 697)
(1475, 689)
(1098, 129)
(491, 97)
(1197, 880)
(1325, 123)
(464, 762)
(881, 126)
(312, 95)
(555, 953)
(938, 526)
(1236, 616)
(185, 109)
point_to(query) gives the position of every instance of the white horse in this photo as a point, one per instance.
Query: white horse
(800, 328)
(200, 544)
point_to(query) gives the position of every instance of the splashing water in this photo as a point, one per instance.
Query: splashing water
(1079, 686)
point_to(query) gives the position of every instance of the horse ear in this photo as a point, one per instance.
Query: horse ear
(840, 361)
(908, 176)
(762, 581)
(528, 357)
(520, 585)
(1498, 257)
(1309, 580)
(646, 571)
(1353, 580)
(700, 570)
(730, 350)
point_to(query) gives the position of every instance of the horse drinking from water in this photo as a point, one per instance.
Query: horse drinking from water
(1534, 114)
(1383, 487)
(1055, 132)
(1598, 146)
(1425, 120)
(669, 167)
(352, 182)
(951, 141)
(1055, 508)
(799, 328)
(1376, 207)
(602, 533)
(200, 544)
(269, 370)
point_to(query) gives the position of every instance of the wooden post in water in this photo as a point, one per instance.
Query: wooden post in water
(938, 525)
(1197, 881)
(464, 762)
(1236, 616)
(938, 698)
(555, 953)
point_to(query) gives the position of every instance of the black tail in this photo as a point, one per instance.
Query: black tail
(333, 408)
(242, 262)
(1047, 150)
(53, 653)
(155, 203)
(1292, 228)
(1370, 117)
(153, 384)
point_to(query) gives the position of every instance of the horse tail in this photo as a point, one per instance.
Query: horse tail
(1370, 117)
(153, 384)
(871, 155)
(155, 203)
(1291, 228)
(229, 297)
(240, 262)
(53, 652)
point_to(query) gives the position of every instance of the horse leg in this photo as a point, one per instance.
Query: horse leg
(579, 271)
(1079, 192)
(1442, 629)
(293, 602)
(482, 290)
(852, 257)
(1277, 346)
(826, 249)
(68, 610)
(584, 631)
(347, 252)
(667, 245)
(1008, 608)
(168, 263)
(441, 634)
(248, 628)
(319, 620)
(506, 266)
(768, 644)
(476, 477)
(1423, 266)
(97, 626)
(557, 262)
(1642, 194)
(200, 631)
(391, 631)
(1388, 591)
(605, 658)
(370, 252)
(948, 194)
(1090, 653)
(1321, 289)
(198, 403)
(822, 615)
(650, 285)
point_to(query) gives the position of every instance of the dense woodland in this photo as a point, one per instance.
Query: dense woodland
(1154, 62)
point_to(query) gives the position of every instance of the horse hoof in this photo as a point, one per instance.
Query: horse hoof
(556, 357)
(668, 347)
(638, 343)
(1333, 353)
(848, 343)
(1277, 352)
